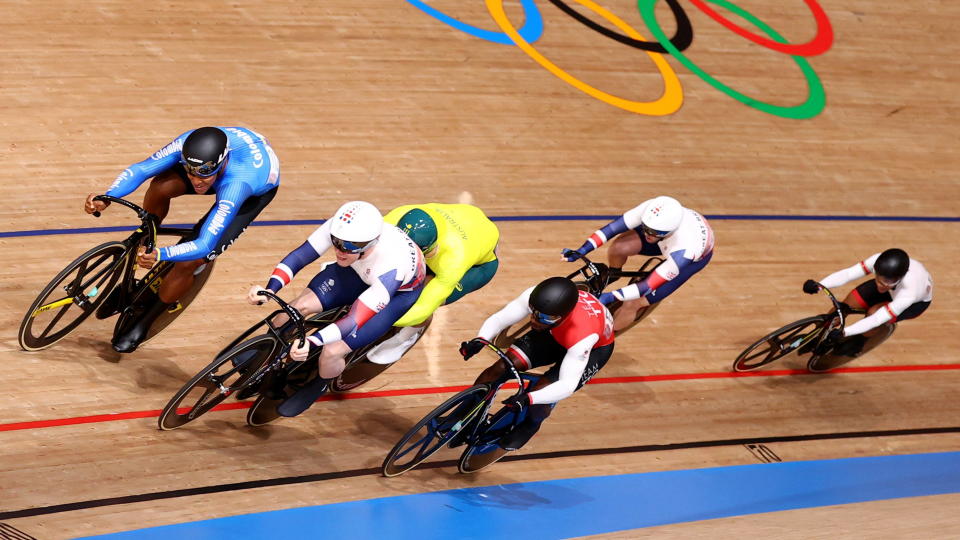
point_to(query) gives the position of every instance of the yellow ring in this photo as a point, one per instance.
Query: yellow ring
(668, 103)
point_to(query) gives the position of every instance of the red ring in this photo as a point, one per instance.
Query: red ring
(819, 44)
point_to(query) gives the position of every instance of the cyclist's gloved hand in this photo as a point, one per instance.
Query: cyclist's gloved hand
(470, 348)
(810, 287)
(835, 335)
(517, 402)
(570, 255)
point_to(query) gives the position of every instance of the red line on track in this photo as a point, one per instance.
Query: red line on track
(37, 424)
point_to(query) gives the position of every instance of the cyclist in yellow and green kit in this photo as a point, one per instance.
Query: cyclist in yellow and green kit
(459, 245)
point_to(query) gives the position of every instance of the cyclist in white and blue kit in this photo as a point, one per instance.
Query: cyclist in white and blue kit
(378, 271)
(234, 164)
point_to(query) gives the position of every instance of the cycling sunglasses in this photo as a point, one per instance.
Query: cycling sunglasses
(653, 232)
(548, 320)
(208, 168)
(345, 246)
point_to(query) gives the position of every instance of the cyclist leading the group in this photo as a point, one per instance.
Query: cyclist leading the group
(234, 164)
(571, 330)
(379, 272)
(901, 289)
(658, 226)
(459, 244)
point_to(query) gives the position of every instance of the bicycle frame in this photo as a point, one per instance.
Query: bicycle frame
(477, 418)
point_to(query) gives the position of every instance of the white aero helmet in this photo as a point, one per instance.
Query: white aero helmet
(355, 227)
(661, 217)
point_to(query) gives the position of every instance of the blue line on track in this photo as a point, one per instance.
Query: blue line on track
(296, 222)
(587, 506)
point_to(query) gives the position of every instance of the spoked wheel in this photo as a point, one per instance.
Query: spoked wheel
(225, 375)
(486, 451)
(777, 344)
(833, 359)
(435, 430)
(71, 297)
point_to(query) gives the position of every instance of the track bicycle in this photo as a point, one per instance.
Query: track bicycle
(259, 366)
(464, 419)
(593, 278)
(809, 336)
(103, 281)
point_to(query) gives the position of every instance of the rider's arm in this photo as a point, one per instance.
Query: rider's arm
(629, 220)
(512, 313)
(138, 173)
(857, 271)
(664, 272)
(881, 316)
(432, 297)
(317, 243)
(228, 204)
(369, 303)
(571, 371)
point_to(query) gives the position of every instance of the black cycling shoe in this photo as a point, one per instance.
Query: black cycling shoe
(518, 436)
(110, 306)
(303, 398)
(852, 346)
(134, 336)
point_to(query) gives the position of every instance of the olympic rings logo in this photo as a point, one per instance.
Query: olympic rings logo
(672, 97)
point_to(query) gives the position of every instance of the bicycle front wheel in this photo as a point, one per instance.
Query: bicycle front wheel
(71, 296)
(777, 344)
(217, 381)
(435, 430)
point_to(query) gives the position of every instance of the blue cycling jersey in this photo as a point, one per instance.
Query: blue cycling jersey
(253, 169)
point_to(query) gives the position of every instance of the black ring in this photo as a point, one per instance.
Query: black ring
(681, 40)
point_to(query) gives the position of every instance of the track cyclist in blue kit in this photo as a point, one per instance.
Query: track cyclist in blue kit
(236, 165)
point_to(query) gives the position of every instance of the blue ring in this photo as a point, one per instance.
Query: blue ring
(531, 31)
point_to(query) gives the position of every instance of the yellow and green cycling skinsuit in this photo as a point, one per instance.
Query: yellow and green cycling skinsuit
(464, 259)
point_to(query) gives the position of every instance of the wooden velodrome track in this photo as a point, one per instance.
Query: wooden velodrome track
(384, 102)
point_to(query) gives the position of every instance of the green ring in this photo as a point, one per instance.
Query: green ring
(816, 100)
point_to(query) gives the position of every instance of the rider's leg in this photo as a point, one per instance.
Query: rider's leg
(626, 315)
(537, 413)
(474, 278)
(622, 247)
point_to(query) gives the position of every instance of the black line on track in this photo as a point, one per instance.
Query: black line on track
(322, 477)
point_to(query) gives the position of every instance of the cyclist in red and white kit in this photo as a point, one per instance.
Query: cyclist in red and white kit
(572, 331)
(901, 290)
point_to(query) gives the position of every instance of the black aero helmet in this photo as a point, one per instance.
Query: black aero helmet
(552, 299)
(204, 151)
(892, 265)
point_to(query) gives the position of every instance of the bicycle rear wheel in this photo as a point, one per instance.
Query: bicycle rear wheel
(777, 344)
(360, 370)
(168, 316)
(434, 431)
(832, 359)
(216, 382)
(77, 290)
